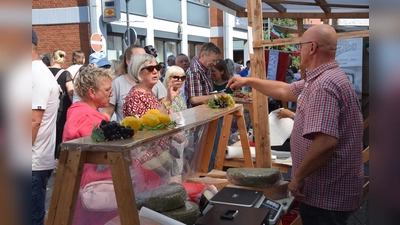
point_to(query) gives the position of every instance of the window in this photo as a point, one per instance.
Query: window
(165, 48)
(114, 46)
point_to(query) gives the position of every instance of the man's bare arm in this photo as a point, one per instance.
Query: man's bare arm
(37, 116)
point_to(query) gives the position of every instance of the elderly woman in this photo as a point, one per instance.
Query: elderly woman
(177, 74)
(93, 86)
(143, 70)
(220, 76)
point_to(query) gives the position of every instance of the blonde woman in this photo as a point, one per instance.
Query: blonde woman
(64, 80)
(178, 75)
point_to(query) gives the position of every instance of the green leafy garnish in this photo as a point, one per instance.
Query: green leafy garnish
(97, 134)
(161, 126)
(211, 104)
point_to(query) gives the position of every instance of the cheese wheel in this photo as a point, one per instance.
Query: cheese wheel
(254, 177)
(164, 198)
(188, 214)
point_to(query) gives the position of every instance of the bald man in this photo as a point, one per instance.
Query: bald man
(326, 141)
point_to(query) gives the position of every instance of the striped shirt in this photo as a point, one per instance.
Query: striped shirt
(328, 104)
(198, 82)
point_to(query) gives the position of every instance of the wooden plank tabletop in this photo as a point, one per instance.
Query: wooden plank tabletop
(185, 120)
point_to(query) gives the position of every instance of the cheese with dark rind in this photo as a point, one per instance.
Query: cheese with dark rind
(187, 214)
(254, 177)
(164, 198)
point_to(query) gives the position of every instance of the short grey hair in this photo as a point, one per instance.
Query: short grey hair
(171, 71)
(136, 65)
(231, 66)
(171, 57)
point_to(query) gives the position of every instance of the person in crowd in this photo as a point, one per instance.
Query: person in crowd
(78, 59)
(46, 59)
(143, 70)
(171, 60)
(115, 64)
(123, 84)
(198, 77)
(220, 76)
(65, 82)
(94, 88)
(231, 66)
(182, 60)
(245, 71)
(99, 59)
(162, 71)
(44, 116)
(237, 69)
(149, 49)
(178, 74)
(326, 141)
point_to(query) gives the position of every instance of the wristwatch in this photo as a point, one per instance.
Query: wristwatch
(294, 114)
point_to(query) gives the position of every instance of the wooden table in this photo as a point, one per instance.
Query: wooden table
(116, 154)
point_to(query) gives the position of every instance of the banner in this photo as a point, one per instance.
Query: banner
(272, 65)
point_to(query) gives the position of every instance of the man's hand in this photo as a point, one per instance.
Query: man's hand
(296, 188)
(285, 113)
(236, 83)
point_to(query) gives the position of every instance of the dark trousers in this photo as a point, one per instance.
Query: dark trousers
(39, 183)
(312, 215)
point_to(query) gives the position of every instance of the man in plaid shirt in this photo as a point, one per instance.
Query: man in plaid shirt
(326, 141)
(198, 77)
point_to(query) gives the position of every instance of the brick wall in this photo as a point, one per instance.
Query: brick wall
(65, 37)
(219, 41)
(216, 17)
(42, 4)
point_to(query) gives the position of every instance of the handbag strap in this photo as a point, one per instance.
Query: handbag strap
(59, 74)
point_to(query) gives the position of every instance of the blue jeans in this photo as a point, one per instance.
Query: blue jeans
(312, 215)
(39, 183)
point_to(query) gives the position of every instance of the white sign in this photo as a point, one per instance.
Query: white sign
(349, 52)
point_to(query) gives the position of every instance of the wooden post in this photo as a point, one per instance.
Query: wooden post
(121, 176)
(260, 120)
(300, 27)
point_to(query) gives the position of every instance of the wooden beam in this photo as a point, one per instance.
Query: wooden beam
(300, 27)
(294, 40)
(293, 15)
(278, 7)
(317, 4)
(260, 118)
(326, 9)
(231, 5)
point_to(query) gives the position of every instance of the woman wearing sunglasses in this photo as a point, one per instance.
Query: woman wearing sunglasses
(176, 74)
(143, 70)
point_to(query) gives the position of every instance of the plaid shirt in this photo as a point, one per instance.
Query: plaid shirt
(198, 82)
(328, 104)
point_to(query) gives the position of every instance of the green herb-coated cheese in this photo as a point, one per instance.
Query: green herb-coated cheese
(254, 177)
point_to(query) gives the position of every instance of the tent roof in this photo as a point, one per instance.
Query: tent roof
(296, 9)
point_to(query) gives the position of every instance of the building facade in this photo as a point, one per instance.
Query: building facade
(172, 27)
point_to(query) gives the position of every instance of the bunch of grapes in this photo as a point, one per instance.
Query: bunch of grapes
(222, 101)
(220, 104)
(115, 131)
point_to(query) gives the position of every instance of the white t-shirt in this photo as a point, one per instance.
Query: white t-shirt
(121, 88)
(45, 97)
(73, 70)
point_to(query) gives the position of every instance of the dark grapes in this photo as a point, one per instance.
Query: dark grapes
(114, 131)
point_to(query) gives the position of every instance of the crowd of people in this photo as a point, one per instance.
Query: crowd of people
(326, 141)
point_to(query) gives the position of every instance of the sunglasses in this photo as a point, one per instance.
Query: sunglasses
(106, 66)
(182, 78)
(151, 68)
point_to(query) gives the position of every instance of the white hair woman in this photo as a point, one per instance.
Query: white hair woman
(143, 70)
(177, 74)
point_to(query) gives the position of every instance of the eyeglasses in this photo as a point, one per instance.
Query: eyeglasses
(151, 68)
(182, 78)
(298, 45)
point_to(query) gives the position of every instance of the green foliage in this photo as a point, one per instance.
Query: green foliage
(97, 134)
